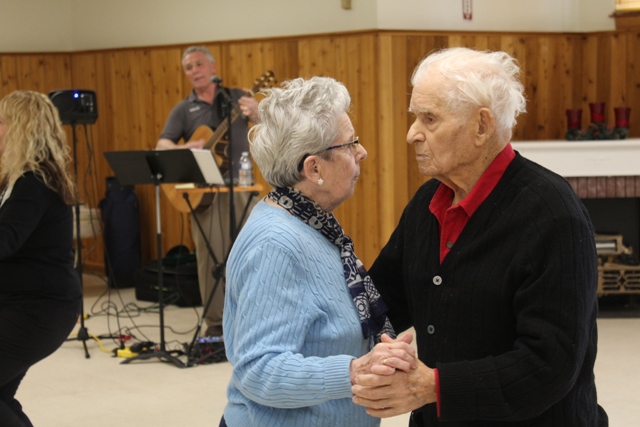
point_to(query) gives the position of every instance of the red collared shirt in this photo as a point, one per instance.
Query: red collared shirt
(453, 219)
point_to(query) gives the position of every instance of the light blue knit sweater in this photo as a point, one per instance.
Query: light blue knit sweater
(290, 328)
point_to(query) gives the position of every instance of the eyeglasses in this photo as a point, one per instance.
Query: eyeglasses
(356, 141)
(353, 143)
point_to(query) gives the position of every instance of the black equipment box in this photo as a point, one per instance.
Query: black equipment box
(180, 284)
(121, 233)
(75, 106)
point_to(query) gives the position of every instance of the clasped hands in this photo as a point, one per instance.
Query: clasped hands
(390, 380)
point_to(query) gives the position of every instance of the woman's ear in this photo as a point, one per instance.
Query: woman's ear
(312, 168)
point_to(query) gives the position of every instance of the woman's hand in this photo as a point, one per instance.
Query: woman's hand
(390, 395)
(386, 357)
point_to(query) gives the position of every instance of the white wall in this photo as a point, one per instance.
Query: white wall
(158, 22)
(35, 25)
(498, 15)
(75, 25)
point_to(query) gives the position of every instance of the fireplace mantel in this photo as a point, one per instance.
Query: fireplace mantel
(595, 169)
(584, 158)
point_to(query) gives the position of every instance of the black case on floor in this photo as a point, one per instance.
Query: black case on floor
(180, 284)
(121, 234)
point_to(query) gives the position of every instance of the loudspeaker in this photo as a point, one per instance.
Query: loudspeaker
(179, 284)
(75, 106)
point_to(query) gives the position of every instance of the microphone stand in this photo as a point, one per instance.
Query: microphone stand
(218, 271)
(227, 107)
(83, 333)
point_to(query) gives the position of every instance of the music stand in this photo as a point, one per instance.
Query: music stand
(157, 167)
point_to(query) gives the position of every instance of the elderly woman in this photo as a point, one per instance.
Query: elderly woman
(301, 312)
(40, 291)
(493, 263)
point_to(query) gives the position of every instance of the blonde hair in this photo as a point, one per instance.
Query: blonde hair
(35, 142)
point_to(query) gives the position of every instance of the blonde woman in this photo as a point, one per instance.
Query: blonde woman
(40, 292)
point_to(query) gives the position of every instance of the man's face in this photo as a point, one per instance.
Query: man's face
(198, 69)
(443, 138)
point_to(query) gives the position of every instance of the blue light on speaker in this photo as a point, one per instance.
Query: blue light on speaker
(75, 106)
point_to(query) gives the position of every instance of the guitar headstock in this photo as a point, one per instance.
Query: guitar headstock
(266, 80)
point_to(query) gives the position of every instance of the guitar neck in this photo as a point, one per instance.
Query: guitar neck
(266, 80)
(222, 128)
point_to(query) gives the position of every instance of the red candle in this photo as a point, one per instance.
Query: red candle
(574, 118)
(597, 112)
(622, 116)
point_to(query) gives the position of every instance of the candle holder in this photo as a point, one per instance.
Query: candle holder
(574, 124)
(597, 112)
(597, 129)
(621, 129)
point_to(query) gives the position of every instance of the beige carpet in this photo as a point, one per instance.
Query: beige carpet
(68, 390)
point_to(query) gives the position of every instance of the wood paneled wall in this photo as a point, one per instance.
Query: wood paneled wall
(136, 89)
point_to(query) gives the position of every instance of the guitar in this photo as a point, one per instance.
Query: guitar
(214, 142)
(214, 139)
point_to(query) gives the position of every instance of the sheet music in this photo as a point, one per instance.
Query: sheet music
(208, 166)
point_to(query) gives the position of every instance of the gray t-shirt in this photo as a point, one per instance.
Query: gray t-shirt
(193, 112)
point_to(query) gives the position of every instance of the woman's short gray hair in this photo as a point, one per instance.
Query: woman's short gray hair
(482, 79)
(299, 118)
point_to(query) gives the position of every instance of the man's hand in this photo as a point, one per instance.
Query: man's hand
(387, 395)
(198, 143)
(388, 356)
(167, 144)
(249, 107)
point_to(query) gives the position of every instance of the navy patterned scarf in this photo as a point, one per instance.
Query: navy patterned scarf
(369, 305)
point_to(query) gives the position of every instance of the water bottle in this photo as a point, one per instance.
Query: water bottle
(245, 175)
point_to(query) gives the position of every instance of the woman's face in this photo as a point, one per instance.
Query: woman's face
(3, 132)
(341, 172)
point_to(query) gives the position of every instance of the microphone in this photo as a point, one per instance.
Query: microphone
(215, 79)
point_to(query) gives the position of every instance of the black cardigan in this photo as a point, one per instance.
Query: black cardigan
(509, 317)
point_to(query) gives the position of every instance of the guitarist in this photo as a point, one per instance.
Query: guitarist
(204, 106)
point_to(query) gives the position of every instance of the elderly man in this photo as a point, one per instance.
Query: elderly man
(493, 263)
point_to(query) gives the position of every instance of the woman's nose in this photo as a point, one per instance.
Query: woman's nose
(362, 153)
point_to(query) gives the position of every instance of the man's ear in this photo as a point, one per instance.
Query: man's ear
(486, 125)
